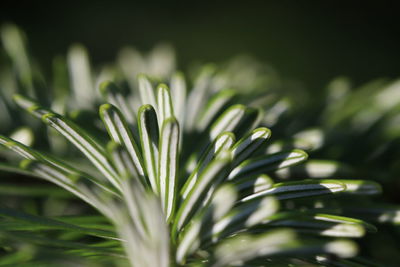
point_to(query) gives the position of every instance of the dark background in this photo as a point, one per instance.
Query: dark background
(311, 41)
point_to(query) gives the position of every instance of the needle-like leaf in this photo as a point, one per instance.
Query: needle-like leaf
(33, 222)
(92, 150)
(146, 91)
(213, 107)
(168, 165)
(321, 224)
(222, 143)
(212, 175)
(306, 188)
(178, 95)
(268, 163)
(149, 137)
(250, 143)
(120, 133)
(85, 144)
(81, 76)
(112, 94)
(164, 102)
(192, 237)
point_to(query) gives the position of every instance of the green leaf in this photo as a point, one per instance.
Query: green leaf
(60, 84)
(243, 247)
(74, 183)
(120, 133)
(38, 223)
(81, 76)
(14, 169)
(222, 143)
(253, 184)
(178, 95)
(77, 136)
(212, 175)
(305, 188)
(23, 135)
(32, 190)
(165, 108)
(149, 137)
(146, 91)
(377, 212)
(237, 119)
(134, 196)
(191, 238)
(197, 97)
(315, 168)
(152, 248)
(267, 163)
(19, 148)
(361, 187)
(31, 106)
(276, 111)
(28, 153)
(122, 161)
(70, 174)
(14, 45)
(94, 152)
(244, 216)
(249, 143)
(321, 224)
(168, 165)
(111, 93)
(309, 139)
(213, 107)
(56, 243)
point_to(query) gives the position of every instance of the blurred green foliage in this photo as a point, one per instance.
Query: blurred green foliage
(308, 41)
(349, 131)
